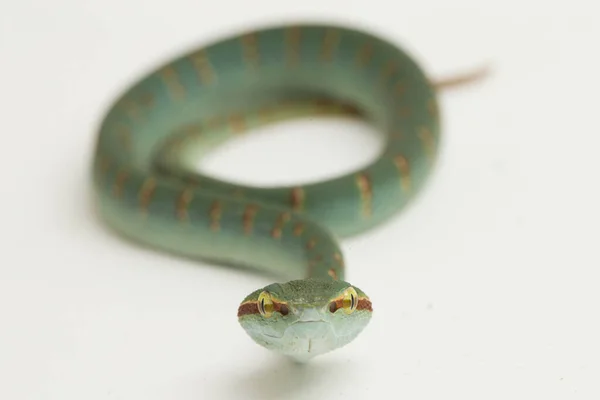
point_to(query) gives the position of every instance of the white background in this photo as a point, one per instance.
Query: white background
(487, 288)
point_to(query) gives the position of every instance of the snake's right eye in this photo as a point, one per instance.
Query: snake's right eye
(350, 300)
(265, 304)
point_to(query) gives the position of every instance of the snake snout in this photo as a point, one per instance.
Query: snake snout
(310, 315)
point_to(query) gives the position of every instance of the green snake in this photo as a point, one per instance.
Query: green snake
(148, 189)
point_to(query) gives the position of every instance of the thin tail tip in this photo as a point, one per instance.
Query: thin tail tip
(467, 78)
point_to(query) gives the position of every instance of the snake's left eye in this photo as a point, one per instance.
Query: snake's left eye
(265, 304)
(350, 300)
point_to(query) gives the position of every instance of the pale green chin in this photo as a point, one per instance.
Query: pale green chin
(305, 333)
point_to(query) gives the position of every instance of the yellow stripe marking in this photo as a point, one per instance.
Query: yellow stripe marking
(330, 41)
(428, 142)
(206, 73)
(183, 203)
(250, 49)
(388, 70)
(281, 220)
(292, 45)
(366, 193)
(216, 209)
(171, 81)
(404, 169)
(248, 218)
(146, 193)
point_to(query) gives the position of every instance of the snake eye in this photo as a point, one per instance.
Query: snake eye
(350, 300)
(265, 304)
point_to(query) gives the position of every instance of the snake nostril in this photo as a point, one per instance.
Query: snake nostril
(284, 310)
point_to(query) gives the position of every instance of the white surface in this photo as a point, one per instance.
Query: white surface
(487, 288)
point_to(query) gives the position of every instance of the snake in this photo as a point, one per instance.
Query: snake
(148, 189)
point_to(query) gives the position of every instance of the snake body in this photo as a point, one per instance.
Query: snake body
(147, 187)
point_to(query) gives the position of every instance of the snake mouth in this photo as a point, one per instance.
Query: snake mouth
(308, 321)
(272, 336)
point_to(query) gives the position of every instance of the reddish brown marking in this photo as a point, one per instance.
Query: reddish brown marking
(293, 45)
(363, 304)
(215, 122)
(202, 65)
(405, 111)
(175, 88)
(297, 198)
(265, 113)
(400, 88)
(350, 109)
(248, 217)
(193, 181)
(247, 308)
(122, 176)
(131, 109)
(389, 69)
(237, 123)
(364, 54)
(428, 141)
(404, 170)
(332, 273)
(183, 202)
(324, 105)
(147, 100)
(298, 229)
(250, 48)
(104, 164)
(338, 258)
(311, 243)
(366, 193)
(215, 215)
(281, 220)
(146, 193)
(330, 40)
(191, 130)
(251, 307)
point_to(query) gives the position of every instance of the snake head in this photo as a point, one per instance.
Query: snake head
(305, 318)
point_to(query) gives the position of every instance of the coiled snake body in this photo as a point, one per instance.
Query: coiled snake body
(148, 189)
